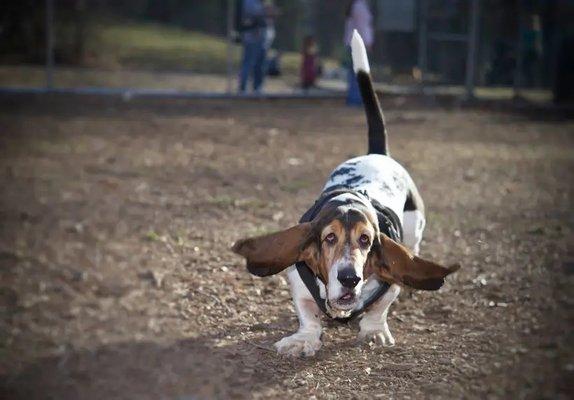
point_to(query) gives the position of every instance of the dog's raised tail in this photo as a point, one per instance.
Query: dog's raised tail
(375, 120)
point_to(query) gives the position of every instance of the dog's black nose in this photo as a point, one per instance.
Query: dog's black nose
(348, 278)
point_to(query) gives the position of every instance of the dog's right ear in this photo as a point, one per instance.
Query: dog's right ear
(272, 253)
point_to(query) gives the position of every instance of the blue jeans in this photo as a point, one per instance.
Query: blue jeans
(353, 92)
(253, 62)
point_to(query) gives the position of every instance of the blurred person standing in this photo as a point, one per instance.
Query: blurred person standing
(271, 12)
(359, 17)
(271, 66)
(310, 67)
(252, 26)
(532, 51)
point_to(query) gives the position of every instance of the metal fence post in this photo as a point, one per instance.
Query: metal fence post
(472, 48)
(230, 17)
(423, 40)
(519, 46)
(49, 44)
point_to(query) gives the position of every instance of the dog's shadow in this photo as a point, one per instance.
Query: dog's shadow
(191, 368)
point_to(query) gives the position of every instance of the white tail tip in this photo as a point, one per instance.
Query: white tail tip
(359, 53)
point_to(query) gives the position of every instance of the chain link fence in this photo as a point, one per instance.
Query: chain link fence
(192, 47)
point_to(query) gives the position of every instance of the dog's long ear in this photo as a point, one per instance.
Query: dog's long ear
(393, 262)
(272, 253)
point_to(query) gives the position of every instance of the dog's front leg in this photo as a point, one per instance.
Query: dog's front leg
(307, 340)
(374, 323)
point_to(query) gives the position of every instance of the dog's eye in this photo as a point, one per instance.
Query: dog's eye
(331, 238)
(364, 240)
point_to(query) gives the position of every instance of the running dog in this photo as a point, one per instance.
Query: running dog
(356, 246)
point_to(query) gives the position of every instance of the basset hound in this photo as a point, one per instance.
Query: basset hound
(356, 246)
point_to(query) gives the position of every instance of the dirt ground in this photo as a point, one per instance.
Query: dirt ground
(116, 279)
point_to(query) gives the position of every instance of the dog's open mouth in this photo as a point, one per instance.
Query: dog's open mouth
(343, 306)
(346, 300)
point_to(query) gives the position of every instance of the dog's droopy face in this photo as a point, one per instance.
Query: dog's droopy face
(342, 246)
(337, 249)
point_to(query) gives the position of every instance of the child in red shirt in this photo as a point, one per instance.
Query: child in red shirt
(310, 68)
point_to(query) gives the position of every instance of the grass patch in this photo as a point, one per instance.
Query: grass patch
(261, 230)
(123, 54)
(154, 46)
(153, 236)
(222, 201)
(295, 185)
(225, 201)
(144, 54)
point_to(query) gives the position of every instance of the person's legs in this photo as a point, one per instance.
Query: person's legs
(259, 69)
(247, 63)
(353, 93)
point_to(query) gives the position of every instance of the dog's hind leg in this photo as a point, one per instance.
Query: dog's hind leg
(413, 219)
(374, 325)
(413, 227)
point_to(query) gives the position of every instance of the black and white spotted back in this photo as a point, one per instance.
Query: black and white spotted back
(384, 180)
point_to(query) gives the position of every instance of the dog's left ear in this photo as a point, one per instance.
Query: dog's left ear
(270, 254)
(393, 262)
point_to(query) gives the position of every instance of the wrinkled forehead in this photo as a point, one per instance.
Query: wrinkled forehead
(346, 213)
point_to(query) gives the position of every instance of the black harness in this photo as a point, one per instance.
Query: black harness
(389, 224)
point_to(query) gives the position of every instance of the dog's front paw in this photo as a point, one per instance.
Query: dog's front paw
(381, 337)
(299, 344)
